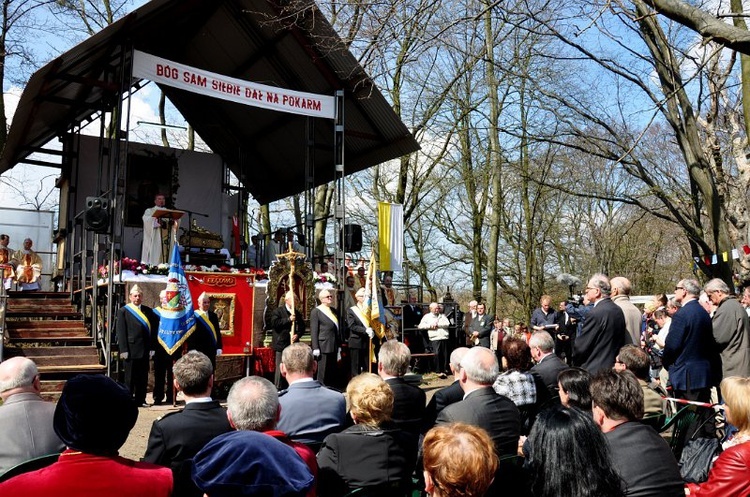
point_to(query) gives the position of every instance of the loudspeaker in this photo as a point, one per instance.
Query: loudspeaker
(97, 214)
(350, 238)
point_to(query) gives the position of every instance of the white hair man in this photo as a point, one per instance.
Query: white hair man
(25, 418)
(548, 365)
(604, 331)
(253, 405)
(621, 289)
(481, 405)
(731, 329)
(437, 325)
(690, 352)
(447, 395)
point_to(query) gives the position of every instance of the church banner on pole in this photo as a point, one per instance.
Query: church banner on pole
(391, 236)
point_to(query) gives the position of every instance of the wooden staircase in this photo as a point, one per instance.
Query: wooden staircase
(48, 329)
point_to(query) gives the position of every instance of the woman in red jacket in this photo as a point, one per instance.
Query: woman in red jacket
(730, 475)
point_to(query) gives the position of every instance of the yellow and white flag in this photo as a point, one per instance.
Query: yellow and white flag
(391, 236)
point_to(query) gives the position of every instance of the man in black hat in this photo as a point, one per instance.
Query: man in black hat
(93, 418)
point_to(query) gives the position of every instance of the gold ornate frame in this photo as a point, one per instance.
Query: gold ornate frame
(278, 276)
(224, 302)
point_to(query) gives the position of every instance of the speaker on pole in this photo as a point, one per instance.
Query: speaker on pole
(97, 214)
(351, 238)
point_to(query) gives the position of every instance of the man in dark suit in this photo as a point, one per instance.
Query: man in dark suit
(207, 335)
(178, 436)
(448, 395)
(603, 332)
(642, 458)
(468, 318)
(297, 419)
(408, 400)
(548, 365)
(281, 321)
(137, 326)
(324, 333)
(481, 406)
(481, 326)
(690, 352)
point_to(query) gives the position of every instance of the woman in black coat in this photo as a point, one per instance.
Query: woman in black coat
(371, 453)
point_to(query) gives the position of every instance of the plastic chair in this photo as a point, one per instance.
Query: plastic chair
(680, 424)
(30, 465)
(655, 421)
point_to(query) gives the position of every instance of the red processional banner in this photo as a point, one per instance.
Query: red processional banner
(232, 299)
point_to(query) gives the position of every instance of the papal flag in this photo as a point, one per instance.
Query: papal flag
(374, 311)
(176, 315)
(391, 236)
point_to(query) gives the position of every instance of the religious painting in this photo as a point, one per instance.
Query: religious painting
(223, 305)
(147, 176)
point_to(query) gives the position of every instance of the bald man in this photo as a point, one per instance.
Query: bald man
(481, 405)
(25, 418)
(620, 295)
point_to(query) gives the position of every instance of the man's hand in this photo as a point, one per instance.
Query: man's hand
(151, 354)
(370, 332)
(316, 353)
(124, 356)
(218, 351)
(292, 317)
(295, 338)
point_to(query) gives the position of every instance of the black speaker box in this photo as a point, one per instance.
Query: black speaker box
(97, 214)
(351, 238)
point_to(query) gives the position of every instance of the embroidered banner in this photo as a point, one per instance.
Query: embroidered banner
(214, 85)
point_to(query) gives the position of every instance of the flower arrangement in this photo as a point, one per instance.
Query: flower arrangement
(324, 277)
(136, 266)
(259, 273)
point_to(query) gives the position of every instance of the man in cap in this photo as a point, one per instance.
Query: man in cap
(248, 463)
(25, 418)
(93, 418)
(177, 436)
(137, 326)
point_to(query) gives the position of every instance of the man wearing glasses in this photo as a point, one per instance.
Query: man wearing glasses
(603, 332)
(324, 330)
(690, 352)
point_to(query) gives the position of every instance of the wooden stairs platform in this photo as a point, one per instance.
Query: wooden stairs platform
(48, 329)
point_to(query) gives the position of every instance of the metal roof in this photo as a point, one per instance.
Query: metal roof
(286, 44)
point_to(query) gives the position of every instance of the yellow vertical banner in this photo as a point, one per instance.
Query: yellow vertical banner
(390, 236)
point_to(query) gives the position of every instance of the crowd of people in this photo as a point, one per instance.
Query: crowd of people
(526, 419)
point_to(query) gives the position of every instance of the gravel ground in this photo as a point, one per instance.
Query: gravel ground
(135, 446)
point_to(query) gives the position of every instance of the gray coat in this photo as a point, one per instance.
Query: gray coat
(26, 430)
(632, 317)
(731, 327)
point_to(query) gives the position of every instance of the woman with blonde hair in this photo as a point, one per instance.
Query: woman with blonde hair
(372, 453)
(729, 474)
(459, 460)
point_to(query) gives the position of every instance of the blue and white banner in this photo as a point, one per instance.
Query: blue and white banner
(177, 316)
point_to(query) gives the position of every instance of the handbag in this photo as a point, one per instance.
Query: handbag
(697, 458)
